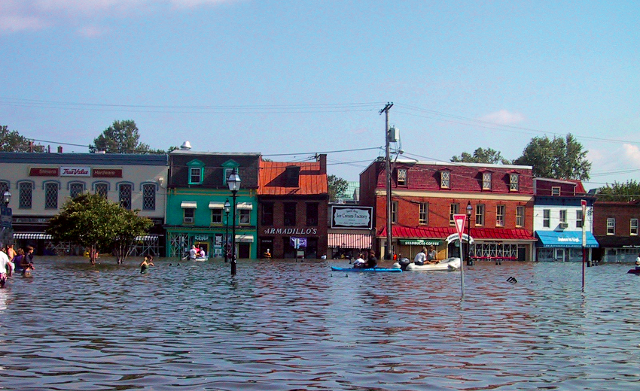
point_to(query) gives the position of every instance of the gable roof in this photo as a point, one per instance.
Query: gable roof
(275, 180)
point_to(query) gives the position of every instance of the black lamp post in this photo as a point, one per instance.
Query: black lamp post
(227, 207)
(469, 211)
(234, 185)
(6, 214)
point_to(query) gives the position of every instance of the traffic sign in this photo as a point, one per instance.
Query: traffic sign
(459, 219)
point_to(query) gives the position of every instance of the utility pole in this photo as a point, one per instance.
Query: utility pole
(387, 160)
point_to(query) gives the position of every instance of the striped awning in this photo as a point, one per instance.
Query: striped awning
(359, 241)
(31, 235)
(43, 236)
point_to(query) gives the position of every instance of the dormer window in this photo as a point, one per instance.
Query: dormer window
(227, 169)
(445, 179)
(401, 175)
(514, 180)
(292, 176)
(486, 181)
(196, 172)
(555, 190)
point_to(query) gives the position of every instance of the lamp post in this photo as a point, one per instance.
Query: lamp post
(234, 185)
(469, 210)
(7, 232)
(227, 207)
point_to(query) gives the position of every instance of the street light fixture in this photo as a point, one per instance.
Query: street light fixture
(469, 211)
(7, 198)
(234, 185)
(227, 207)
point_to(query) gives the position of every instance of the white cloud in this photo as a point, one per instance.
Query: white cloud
(503, 117)
(632, 153)
(33, 15)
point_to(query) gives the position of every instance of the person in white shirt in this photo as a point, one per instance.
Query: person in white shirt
(5, 265)
(420, 257)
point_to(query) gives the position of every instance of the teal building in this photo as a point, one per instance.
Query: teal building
(196, 194)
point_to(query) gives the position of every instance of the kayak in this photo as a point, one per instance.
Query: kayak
(360, 269)
(633, 271)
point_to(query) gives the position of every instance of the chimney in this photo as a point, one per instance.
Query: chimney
(323, 163)
(59, 148)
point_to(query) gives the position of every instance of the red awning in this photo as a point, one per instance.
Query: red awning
(359, 241)
(444, 232)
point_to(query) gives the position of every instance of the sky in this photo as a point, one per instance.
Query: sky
(290, 79)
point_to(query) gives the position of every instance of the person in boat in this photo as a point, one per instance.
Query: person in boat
(193, 253)
(372, 261)
(146, 262)
(638, 262)
(431, 255)
(267, 254)
(421, 257)
(360, 262)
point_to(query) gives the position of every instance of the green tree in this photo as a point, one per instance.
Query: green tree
(12, 141)
(337, 187)
(559, 158)
(629, 191)
(121, 137)
(481, 155)
(91, 221)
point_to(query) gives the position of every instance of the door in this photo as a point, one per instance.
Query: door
(560, 255)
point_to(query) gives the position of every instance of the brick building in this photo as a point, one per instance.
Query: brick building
(426, 196)
(615, 226)
(293, 201)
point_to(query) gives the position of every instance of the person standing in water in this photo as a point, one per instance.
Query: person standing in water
(148, 261)
(5, 265)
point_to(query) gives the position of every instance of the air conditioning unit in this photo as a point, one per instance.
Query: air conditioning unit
(188, 220)
(563, 225)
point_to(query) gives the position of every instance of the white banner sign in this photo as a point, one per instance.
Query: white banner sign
(351, 217)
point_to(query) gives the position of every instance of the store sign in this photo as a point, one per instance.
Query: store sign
(41, 171)
(201, 237)
(419, 242)
(107, 173)
(75, 171)
(351, 217)
(290, 231)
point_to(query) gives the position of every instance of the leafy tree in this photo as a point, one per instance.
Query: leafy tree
(481, 155)
(92, 221)
(12, 141)
(121, 137)
(337, 187)
(559, 158)
(629, 191)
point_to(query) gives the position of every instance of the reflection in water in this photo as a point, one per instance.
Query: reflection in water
(293, 325)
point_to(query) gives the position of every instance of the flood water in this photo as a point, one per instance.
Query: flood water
(285, 325)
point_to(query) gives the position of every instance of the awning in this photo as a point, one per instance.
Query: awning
(31, 235)
(359, 241)
(147, 238)
(571, 239)
(480, 234)
(216, 205)
(189, 205)
(244, 239)
(244, 205)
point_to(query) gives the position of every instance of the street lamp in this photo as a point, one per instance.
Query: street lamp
(7, 198)
(6, 235)
(234, 185)
(227, 207)
(469, 210)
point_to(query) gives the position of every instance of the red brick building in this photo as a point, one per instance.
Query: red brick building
(426, 195)
(615, 226)
(292, 208)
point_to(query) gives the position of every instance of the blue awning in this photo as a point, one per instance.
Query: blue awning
(565, 239)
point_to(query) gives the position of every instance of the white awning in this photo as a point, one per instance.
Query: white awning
(245, 205)
(244, 239)
(189, 205)
(147, 238)
(31, 235)
(216, 205)
(359, 241)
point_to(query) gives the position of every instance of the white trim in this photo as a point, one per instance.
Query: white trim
(216, 205)
(189, 205)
